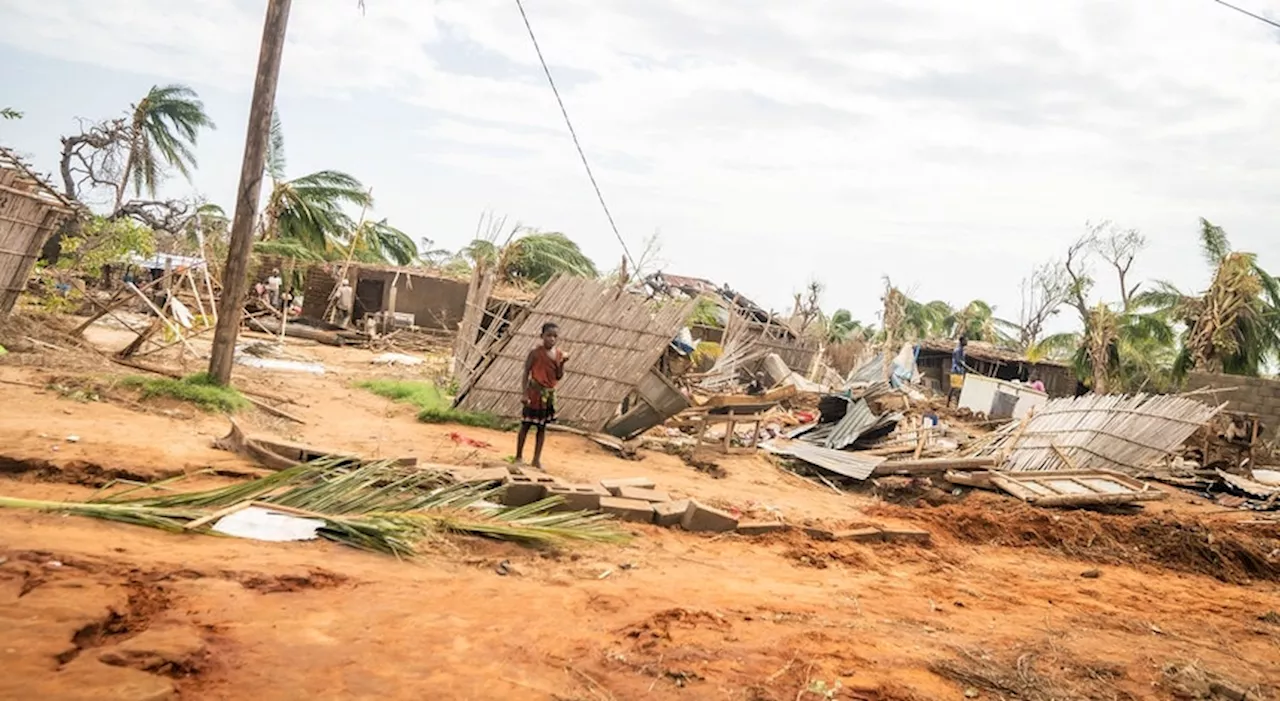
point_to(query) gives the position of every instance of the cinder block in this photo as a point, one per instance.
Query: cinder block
(519, 492)
(703, 518)
(671, 513)
(761, 527)
(613, 485)
(627, 509)
(526, 487)
(653, 496)
(578, 497)
(908, 535)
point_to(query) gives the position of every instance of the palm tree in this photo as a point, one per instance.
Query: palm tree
(164, 129)
(841, 326)
(926, 320)
(305, 217)
(309, 209)
(533, 257)
(1234, 326)
(976, 321)
(1120, 351)
(378, 241)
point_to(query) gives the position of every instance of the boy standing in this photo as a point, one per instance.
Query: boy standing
(543, 369)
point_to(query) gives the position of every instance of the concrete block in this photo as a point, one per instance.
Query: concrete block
(671, 513)
(906, 535)
(653, 496)
(761, 527)
(613, 485)
(480, 475)
(627, 509)
(578, 497)
(702, 518)
(521, 490)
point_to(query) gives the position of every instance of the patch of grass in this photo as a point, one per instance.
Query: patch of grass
(197, 389)
(434, 406)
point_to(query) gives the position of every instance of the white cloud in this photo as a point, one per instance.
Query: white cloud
(948, 144)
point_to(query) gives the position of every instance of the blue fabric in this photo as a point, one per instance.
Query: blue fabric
(957, 360)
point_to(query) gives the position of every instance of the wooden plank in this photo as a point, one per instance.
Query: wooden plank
(934, 465)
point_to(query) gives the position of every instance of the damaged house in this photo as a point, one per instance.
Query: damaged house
(409, 296)
(934, 363)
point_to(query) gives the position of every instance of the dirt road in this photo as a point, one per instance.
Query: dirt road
(1007, 601)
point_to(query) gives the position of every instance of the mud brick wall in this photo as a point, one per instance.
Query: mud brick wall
(1252, 395)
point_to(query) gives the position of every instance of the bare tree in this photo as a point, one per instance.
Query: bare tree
(808, 306)
(1118, 247)
(1081, 280)
(1047, 288)
(94, 158)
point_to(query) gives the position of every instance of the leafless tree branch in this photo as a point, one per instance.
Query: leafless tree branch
(1118, 247)
(1047, 289)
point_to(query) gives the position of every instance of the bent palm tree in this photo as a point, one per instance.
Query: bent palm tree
(165, 126)
(1233, 327)
(308, 209)
(376, 242)
(927, 320)
(1119, 351)
(534, 257)
(841, 326)
(976, 321)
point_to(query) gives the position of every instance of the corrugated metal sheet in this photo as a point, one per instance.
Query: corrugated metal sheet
(843, 463)
(870, 371)
(857, 419)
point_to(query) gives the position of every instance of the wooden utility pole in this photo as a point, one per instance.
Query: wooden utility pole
(235, 274)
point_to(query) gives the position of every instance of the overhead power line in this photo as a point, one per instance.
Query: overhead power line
(1243, 11)
(581, 154)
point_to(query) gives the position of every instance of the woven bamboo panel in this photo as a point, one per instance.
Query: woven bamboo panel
(613, 339)
(29, 213)
(1113, 432)
(467, 349)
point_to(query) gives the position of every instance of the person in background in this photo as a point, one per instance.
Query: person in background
(957, 357)
(543, 370)
(346, 299)
(273, 287)
(1036, 384)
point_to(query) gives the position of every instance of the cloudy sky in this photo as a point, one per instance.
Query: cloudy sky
(950, 146)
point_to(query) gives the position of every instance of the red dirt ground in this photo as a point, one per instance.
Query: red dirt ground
(996, 607)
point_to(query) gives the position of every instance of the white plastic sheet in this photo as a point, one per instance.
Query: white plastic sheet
(258, 523)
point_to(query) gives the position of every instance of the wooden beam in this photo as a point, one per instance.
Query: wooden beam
(934, 465)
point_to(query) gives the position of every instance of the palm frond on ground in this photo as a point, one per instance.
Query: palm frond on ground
(377, 506)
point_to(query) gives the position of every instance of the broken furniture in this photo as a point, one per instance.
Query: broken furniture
(280, 455)
(659, 400)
